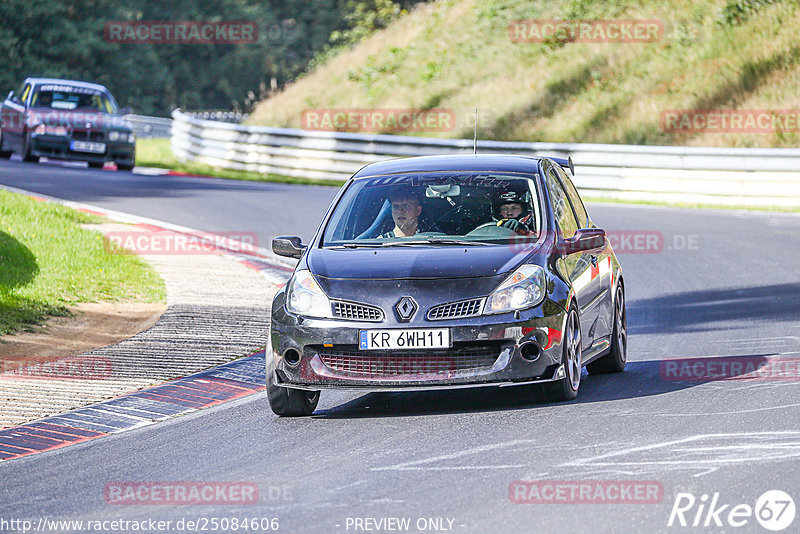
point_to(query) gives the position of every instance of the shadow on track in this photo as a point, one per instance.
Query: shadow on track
(640, 379)
(706, 310)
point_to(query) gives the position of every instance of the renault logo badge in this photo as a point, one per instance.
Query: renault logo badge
(405, 308)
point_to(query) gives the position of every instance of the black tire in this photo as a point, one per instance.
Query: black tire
(566, 389)
(289, 402)
(614, 361)
(4, 154)
(96, 164)
(125, 166)
(26, 152)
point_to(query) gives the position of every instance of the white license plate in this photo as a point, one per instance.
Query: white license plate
(415, 338)
(86, 146)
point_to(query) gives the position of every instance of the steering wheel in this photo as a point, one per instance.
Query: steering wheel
(490, 229)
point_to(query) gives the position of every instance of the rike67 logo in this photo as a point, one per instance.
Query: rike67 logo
(774, 510)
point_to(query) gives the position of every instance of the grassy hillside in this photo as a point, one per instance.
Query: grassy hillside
(457, 55)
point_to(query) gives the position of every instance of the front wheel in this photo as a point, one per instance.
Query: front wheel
(566, 388)
(290, 402)
(26, 153)
(614, 361)
(96, 164)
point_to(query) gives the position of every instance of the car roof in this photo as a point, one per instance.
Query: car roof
(58, 81)
(456, 162)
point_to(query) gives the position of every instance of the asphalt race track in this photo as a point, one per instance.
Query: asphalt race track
(699, 284)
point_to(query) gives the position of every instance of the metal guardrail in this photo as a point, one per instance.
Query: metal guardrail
(722, 176)
(144, 126)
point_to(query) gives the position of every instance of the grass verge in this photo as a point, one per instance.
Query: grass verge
(49, 262)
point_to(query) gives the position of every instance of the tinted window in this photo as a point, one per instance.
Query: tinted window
(66, 97)
(463, 205)
(561, 207)
(577, 203)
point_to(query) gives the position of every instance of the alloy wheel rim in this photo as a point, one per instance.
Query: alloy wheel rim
(622, 334)
(574, 351)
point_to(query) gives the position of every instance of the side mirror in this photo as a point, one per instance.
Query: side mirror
(126, 111)
(585, 239)
(289, 246)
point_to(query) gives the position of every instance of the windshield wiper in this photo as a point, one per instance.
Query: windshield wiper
(414, 243)
(459, 242)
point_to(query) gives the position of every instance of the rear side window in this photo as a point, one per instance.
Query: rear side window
(561, 207)
(577, 203)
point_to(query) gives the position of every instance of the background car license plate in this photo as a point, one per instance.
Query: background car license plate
(86, 146)
(416, 338)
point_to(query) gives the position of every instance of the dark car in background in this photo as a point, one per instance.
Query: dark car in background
(66, 119)
(418, 278)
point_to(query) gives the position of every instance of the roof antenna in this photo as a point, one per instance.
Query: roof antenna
(475, 138)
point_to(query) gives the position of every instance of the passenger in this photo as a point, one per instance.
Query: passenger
(406, 214)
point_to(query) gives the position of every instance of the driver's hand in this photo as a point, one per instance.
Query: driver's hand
(511, 224)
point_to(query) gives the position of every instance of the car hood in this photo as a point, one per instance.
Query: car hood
(77, 119)
(417, 262)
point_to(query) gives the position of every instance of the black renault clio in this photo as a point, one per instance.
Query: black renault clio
(444, 272)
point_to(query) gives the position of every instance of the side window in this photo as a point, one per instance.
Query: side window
(577, 203)
(561, 208)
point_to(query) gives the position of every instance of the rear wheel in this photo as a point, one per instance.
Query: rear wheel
(5, 154)
(614, 361)
(290, 402)
(566, 388)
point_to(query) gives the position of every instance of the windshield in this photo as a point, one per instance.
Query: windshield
(436, 208)
(67, 97)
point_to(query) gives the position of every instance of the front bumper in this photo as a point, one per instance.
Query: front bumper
(58, 146)
(314, 354)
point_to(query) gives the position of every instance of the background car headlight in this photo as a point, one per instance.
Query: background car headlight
(50, 130)
(113, 136)
(131, 137)
(305, 297)
(523, 289)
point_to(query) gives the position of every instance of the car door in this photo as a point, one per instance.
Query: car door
(576, 267)
(600, 261)
(13, 117)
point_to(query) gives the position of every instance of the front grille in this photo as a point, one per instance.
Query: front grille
(462, 357)
(455, 310)
(357, 312)
(79, 135)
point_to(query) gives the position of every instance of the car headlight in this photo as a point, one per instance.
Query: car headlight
(131, 137)
(113, 136)
(305, 297)
(523, 289)
(42, 129)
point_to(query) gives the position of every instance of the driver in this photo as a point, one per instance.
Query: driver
(406, 214)
(512, 211)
